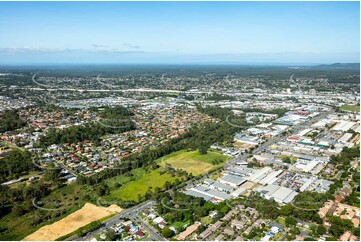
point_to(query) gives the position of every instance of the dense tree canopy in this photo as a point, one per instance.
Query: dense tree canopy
(15, 164)
(10, 120)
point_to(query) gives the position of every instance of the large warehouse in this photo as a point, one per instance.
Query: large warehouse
(232, 180)
(280, 194)
(208, 193)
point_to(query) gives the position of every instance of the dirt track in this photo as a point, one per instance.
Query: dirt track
(87, 214)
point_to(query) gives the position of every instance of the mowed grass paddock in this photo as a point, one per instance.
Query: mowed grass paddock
(193, 161)
(139, 183)
(350, 108)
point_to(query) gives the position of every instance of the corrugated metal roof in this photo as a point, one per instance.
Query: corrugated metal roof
(233, 179)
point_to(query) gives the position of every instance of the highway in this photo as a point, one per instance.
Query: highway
(111, 88)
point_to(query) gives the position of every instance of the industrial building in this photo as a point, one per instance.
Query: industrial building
(271, 177)
(306, 165)
(218, 185)
(238, 192)
(241, 171)
(260, 174)
(208, 193)
(343, 125)
(232, 180)
(345, 138)
(198, 194)
(280, 194)
(252, 140)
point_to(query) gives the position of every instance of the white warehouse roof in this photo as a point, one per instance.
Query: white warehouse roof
(279, 194)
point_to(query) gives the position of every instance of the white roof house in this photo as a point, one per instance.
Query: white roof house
(158, 220)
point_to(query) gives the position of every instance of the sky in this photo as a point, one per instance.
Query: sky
(179, 32)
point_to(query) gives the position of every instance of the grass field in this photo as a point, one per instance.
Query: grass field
(350, 108)
(206, 220)
(138, 184)
(192, 161)
(179, 226)
(281, 221)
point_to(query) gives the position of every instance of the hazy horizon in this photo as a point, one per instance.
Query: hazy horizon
(256, 33)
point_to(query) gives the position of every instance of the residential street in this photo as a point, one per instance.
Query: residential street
(130, 213)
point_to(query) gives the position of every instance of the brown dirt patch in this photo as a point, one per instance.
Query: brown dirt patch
(242, 145)
(248, 185)
(87, 214)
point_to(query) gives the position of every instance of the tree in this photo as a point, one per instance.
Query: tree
(296, 230)
(100, 191)
(339, 226)
(111, 236)
(321, 230)
(344, 175)
(290, 221)
(309, 239)
(317, 218)
(167, 232)
(14, 164)
(356, 232)
(286, 209)
(17, 210)
(286, 159)
(10, 120)
(52, 175)
(331, 239)
(203, 149)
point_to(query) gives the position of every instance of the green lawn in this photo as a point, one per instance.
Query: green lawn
(206, 220)
(138, 184)
(351, 108)
(192, 161)
(281, 221)
(179, 226)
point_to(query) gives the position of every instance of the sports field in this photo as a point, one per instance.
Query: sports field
(351, 108)
(192, 161)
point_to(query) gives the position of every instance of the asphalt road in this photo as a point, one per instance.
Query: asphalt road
(130, 213)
